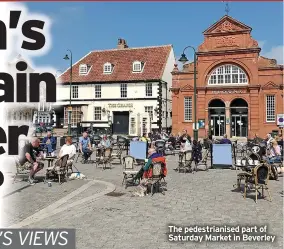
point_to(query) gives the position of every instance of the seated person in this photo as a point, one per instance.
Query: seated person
(153, 156)
(104, 144)
(67, 149)
(49, 143)
(225, 140)
(85, 146)
(144, 138)
(274, 153)
(30, 157)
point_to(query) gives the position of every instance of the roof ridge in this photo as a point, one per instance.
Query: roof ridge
(123, 49)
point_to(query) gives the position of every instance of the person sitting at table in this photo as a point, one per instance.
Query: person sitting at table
(104, 144)
(225, 140)
(30, 157)
(146, 172)
(85, 146)
(67, 149)
(49, 143)
(274, 153)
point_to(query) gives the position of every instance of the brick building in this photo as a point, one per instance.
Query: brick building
(239, 92)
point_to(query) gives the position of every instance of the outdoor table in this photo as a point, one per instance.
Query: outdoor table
(49, 160)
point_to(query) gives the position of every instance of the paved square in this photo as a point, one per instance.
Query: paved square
(122, 221)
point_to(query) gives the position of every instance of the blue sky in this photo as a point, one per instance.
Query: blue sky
(86, 26)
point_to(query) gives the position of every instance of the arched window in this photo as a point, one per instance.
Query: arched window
(226, 75)
(108, 67)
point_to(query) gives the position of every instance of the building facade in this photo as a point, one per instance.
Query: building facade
(239, 92)
(125, 90)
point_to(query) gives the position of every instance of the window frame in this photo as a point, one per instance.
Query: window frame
(106, 65)
(123, 89)
(266, 108)
(149, 110)
(235, 75)
(187, 109)
(136, 63)
(149, 89)
(74, 92)
(85, 71)
(100, 114)
(98, 92)
(76, 116)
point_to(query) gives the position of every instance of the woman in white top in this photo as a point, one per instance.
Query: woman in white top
(68, 149)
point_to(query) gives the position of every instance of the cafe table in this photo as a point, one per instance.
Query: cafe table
(49, 160)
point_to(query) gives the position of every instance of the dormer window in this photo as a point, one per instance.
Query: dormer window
(108, 67)
(137, 66)
(84, 69)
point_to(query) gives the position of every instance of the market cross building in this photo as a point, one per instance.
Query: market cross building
(239, 92)
(124, 90)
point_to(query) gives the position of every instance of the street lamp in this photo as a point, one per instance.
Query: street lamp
(70, 107)
(184, 59)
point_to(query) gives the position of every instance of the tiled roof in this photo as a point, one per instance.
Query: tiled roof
(155, 59)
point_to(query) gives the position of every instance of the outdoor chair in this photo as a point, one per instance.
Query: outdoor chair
(185, 161)
(156, 180)
(71, 165)
(259, 180)
(59, 170)
(203, 161)
(118, 154)
(20, 171)
(103, 157)
(128, 170)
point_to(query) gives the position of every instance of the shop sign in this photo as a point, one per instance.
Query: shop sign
(228, 92)
(128, 105)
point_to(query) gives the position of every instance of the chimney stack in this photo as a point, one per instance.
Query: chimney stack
(121, 44)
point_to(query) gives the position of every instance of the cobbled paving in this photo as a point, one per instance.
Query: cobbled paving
(123, 221)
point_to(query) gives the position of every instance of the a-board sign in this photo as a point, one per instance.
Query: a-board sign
(222, 156)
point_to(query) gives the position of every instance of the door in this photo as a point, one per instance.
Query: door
(239, 125)
(217, 125)
(120, 122)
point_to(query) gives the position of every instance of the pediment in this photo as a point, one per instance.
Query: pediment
(270, 85)
(187, 88)
(227, 24)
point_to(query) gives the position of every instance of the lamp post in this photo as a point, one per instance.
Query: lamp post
(183, 59)
(70, 107)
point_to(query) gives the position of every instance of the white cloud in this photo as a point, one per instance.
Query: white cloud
(276, 53)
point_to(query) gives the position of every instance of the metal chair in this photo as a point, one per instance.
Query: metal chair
(20, 172)
(58, 170)
(185, 161)
(259, 179)
(129, 173)
(157, 176)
